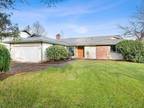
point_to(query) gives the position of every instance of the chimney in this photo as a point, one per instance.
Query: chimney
(58, 36)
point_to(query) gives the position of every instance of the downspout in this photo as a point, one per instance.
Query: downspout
(41, 52)
(10, 52)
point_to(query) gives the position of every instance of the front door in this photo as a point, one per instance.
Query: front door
(80, 52)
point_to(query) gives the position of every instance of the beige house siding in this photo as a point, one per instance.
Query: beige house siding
(44, 47)
(99, 52)
(90, 52)
(116, 56)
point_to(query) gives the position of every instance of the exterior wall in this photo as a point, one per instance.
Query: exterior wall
(99, 52)
(36, 52)
(103, 52)
(26, 52)
(90, 52)
(116, 56)
(44, 47)
(76, 52)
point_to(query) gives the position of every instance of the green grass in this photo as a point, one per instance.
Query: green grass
(82, 84)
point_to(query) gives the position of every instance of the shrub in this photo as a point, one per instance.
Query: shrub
(132, 50)
(56, 53)
(4, 59)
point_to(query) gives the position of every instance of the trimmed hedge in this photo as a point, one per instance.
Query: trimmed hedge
(132, 50)
(4, 59)
(56, 53)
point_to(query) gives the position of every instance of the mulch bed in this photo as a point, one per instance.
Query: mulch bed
(30, 67)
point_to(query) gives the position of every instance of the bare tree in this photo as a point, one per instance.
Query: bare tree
(37, 29)
(27, 30)
(6, 4)
(136, 25)
(5, 22)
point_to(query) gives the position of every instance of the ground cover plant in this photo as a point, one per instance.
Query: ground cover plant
(81, 84)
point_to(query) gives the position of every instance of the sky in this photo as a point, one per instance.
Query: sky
(77, 18)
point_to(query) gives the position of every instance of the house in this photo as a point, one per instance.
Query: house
(32, 49)
(102, 47)
(23, 34)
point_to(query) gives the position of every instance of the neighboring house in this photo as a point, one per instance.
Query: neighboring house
(33, 49)
(24, 34)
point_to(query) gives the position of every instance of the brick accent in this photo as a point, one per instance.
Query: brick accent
(102, 52)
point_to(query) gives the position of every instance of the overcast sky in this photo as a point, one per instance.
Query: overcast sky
(73, 18)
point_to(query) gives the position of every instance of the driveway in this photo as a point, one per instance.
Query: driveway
(30, 67)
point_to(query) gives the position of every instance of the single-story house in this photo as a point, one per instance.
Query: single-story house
(33, 49)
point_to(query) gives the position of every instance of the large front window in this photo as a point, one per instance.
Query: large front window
(71, 51)
(113, 48)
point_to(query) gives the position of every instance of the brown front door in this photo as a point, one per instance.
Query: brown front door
(80, 52)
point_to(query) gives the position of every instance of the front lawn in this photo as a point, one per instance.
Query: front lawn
(81, 84)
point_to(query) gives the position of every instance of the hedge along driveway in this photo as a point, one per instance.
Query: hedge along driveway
(82, 84)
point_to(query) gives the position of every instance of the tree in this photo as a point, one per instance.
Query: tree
(35, 29)
(6, 4)
(5, 22)
(136, 26)
(7, 29)
(132, 50)
(38, 29)
(14, 32)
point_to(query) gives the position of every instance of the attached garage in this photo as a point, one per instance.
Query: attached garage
(30, 52)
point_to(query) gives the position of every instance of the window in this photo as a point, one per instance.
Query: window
(113, 48)
(71, 51)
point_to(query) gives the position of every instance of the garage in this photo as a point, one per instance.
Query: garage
(26, 52)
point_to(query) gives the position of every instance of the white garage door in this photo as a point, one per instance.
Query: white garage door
(90, 52)
(26, 53)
